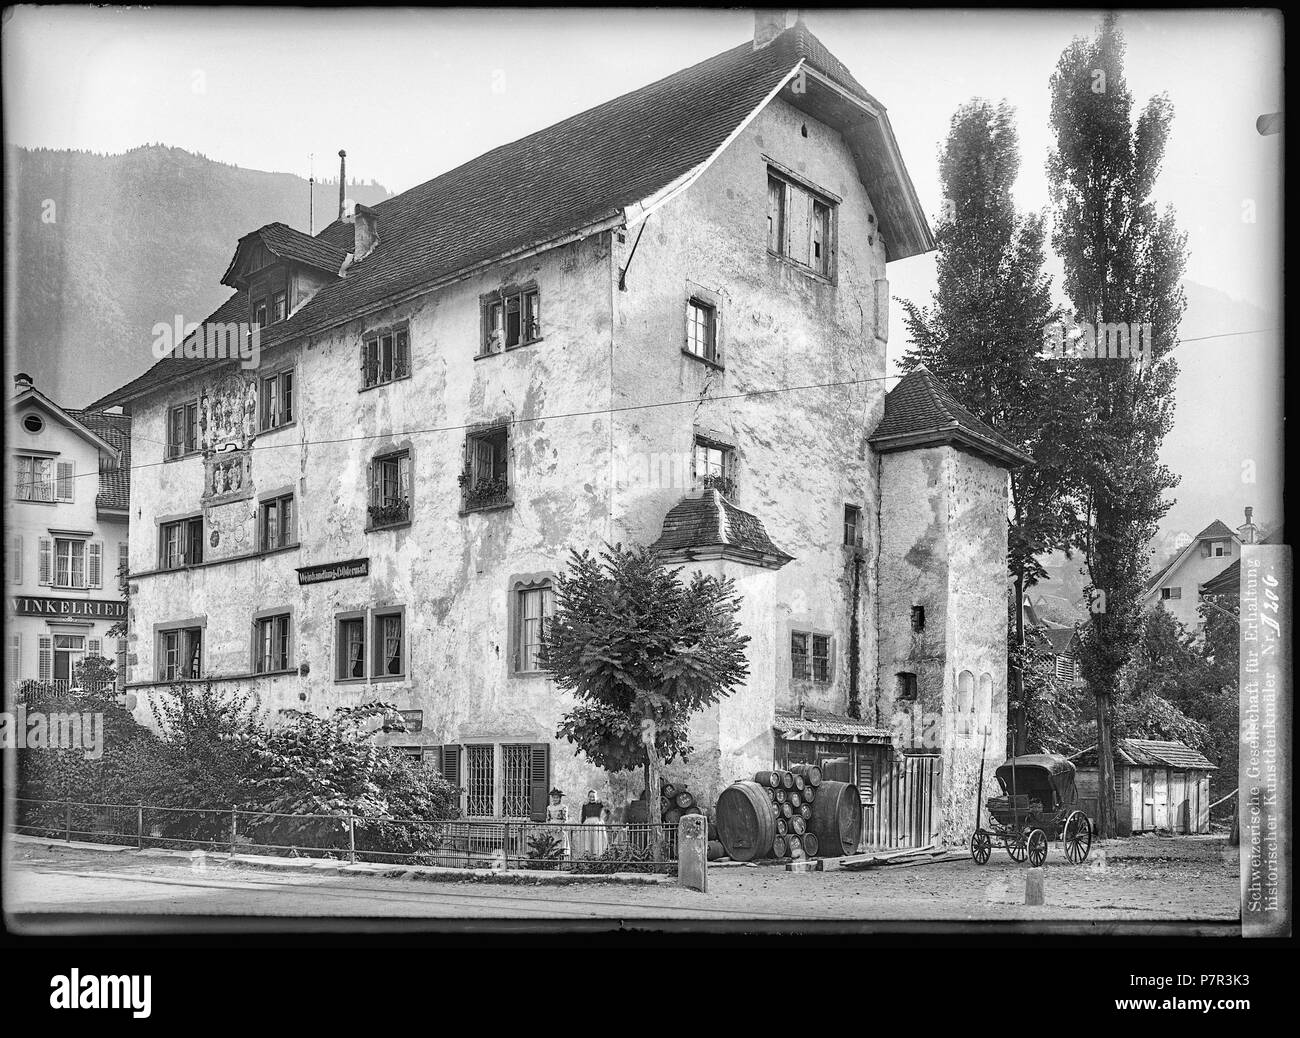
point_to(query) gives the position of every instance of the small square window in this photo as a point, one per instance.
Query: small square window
(385, 357)
(918, 618)
(810, 656)
(905, 685)
(390, 644)
(715, 466)
(278, 307)
(180, 654)
(852, 525)
(512, 318)
(275, 525)
(180, 543)
(276, 405)
(350, 644)
(183, 429)
(271, 644)
(390, 490)
(485, 479)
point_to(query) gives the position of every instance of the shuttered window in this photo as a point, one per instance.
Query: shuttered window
(13, 658)
(866, 775)
(480, 781)
(14, 559)
(800, 225)
(45, 661)
(64, 481)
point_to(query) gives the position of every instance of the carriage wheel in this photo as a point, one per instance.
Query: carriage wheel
(1077, 837)
(980, 847)
(1016, 847)
(1037, 847)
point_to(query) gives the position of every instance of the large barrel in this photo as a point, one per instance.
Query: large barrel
(798, 826)
(794, 846)
(787, 780)
(786, 810)
(837, 769)
(685, 799)
(812, 775)
(810, 844)
(715, 850)
(746, 825)
(782, 796)
(781, 827)
(779, 847)
(837, 818)
(768, 778)
(798, 781)
(805, 812)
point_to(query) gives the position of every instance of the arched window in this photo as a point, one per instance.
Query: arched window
(965, 692)
(986, 694)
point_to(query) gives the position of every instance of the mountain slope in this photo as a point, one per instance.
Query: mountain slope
(106, 246)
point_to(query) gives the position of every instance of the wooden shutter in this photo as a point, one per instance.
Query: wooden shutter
(94, 647)
(14, 659)
(450, 767)
(46, 547)
(45, 645)
(432, 757)
(63, 486)
(16, 559)
(404, 477)
(94, 564)
(1205, 549)
(865, 775)
(539, 780)
(123, 556)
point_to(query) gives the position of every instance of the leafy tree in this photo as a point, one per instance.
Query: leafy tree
(982, 335)
(95, 673)
(634, 644)
(1123, 262)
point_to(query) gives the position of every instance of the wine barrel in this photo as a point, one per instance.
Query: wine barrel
(694, 809)
(713, 829)
(809, 794)
(779, 847)
(837, 769)
(746, 825)
(806, 812)
(798, 826)
(685, 799)
(669, 790)
(672, 816)
(837, 817)
(781, 796)
(715, 850)
(794, 847)
(798, 781)
(787, 780)
(664, 805)
(810, 844)
(812, 775)
(780, 827)
(787, 810)
(768, 778)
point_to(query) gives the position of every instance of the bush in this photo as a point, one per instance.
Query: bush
(545, 851)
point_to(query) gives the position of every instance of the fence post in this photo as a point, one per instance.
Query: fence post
(234, 828)
(139, 826)
(352, 839)
(67, 822)
(505, 845)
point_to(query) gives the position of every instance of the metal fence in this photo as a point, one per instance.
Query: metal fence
(462, 843)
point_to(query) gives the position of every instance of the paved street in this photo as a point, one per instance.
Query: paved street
(1146, 878)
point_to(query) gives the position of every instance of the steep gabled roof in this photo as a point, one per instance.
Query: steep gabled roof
(707, 525)
(1150, 753)
(920, 412)
(114, 481)
(1216, 531)
(583, 175)
(70, 418)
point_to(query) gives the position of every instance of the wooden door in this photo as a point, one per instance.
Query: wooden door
(1148, 798)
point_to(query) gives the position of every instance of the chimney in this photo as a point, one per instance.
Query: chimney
(365, 232)
(343, 178)
(22, 381)
(768, 25)
(1248, 530)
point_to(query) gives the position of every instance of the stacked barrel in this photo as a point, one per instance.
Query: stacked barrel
(790, 813)
(676, 800)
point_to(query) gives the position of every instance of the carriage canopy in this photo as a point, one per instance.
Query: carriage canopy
(1038, 773)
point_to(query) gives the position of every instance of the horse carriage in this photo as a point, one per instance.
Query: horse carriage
(1039, 804)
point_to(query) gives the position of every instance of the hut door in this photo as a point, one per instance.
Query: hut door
(1148, 798)
(1162, 799)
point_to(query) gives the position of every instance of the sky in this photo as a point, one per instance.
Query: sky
(411, 94)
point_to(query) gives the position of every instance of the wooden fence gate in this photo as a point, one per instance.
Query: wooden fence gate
(905, 812)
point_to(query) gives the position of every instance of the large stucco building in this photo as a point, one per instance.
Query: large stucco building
(661, 321)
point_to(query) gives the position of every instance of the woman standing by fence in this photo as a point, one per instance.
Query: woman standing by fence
(592, 840)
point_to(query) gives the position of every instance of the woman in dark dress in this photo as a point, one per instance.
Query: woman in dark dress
(592, 840)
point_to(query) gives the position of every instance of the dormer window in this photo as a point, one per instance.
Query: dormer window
(259, 313)
(278, 304)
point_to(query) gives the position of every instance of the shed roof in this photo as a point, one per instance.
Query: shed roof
(1148, 753)
(810, 723)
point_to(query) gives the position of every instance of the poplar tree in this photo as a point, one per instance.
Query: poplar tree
(1123, 262)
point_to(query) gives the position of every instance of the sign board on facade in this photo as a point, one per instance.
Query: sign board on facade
(413, 719)
(334, 571)
(85, 608)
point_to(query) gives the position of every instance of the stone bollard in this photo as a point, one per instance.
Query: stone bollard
(198, 861)
(693, 853)
(1034, 893)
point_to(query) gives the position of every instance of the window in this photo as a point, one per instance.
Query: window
(259, 313)
(905, 687)
(124, 557)
(390, 489)
(1067, 668)
(351, 642)
(485, 479)
(14, 559)
(183, 429)
(810, 656)
(507, 780)
(275, 523)
(69, 650)
(180, 543)
(385, 357)
(279, 308)
(776, 215)
(33, 423)
(533, 606)
(714, 466)
(121, 660)
(511, 318)
(852, 525)
(800, 224)
(13, 658)
(180, 654)
(918, 618)
(76, 563)
(515, 771)
(390, 644)
(276, 405)
(271, 646)
(702, 330)
(1168, 593)
(480, 787)
(1220, 548)
(42, 479)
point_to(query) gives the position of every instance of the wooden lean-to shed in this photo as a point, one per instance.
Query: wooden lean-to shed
(1158, 785)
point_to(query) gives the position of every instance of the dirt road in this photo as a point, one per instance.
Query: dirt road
(1144, 878)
